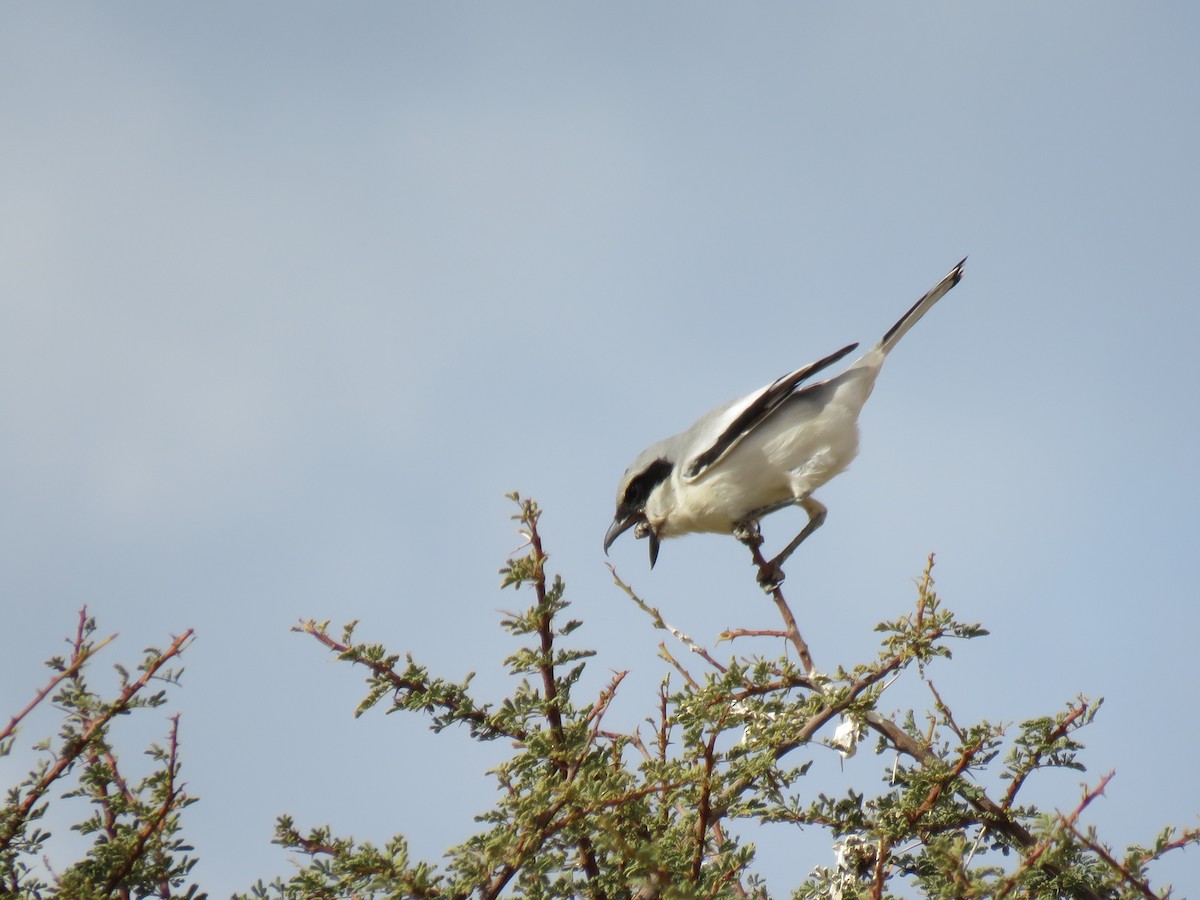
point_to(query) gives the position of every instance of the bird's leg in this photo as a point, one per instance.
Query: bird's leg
(770, 573)
(816, 518)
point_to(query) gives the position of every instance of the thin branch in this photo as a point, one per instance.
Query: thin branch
(704, 808)
(1059, 731)
(1040, 847)
(880, 874)
(992, 815)
(931, 799)
(154, 825)
(118, 779)
(403, 685)
(1189, 836)
(544, 630)
(664, 723)
(666, 654)
(545, 622)
(719, 840)
(544, 825)
(579, 812)
(77, 662)
(635, 740)
(775, 687)
(599, 709)
(945, 711)
(1122, 870)
(313, 848)
(732, 633)
(789, 620)
(663, 625)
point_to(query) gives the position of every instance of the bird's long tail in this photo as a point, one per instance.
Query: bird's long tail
(922, 306)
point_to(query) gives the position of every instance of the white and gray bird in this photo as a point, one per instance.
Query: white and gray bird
(761, 453)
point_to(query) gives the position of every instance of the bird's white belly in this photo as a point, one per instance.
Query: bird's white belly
(778, 464)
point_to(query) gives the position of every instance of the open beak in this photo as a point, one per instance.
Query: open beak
(622, 524)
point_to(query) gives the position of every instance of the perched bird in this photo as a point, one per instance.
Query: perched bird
(759, 454)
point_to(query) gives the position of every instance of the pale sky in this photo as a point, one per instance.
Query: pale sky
(292, 294)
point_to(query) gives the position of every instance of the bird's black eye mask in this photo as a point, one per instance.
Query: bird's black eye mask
(646, 481)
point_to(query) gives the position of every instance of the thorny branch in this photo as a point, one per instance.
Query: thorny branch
(703, 784)
(789, 620)
(964, 762)
(154, 825)
(401, 685)
(1088, 840)
(991, 814)
(1039, 848)
(1059, 731)
(78, 660)
(662, 624)
(80, 743)
(733, 633)
(545, 625)
(544, 824)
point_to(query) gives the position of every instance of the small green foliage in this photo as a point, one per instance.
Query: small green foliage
(586, 810)
(589, 808)
(137, 847)
(921, 635)
(341, 868)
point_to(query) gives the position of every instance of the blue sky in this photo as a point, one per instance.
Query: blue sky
(292, 294)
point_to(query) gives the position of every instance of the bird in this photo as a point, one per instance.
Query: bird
(761, 453)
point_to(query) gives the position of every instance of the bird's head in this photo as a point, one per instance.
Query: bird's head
(644, 477)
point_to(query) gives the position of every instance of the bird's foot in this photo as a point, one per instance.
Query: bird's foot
(748, 533)
(770, 576)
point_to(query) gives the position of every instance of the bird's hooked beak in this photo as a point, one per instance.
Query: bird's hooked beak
(622, 523)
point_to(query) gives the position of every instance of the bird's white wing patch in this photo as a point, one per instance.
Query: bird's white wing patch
(747, 414)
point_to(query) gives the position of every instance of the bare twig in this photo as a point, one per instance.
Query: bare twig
(945, 711)
(687, 676)
(662, 624)
(789, 620)
(605, 698)
(733, 633)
